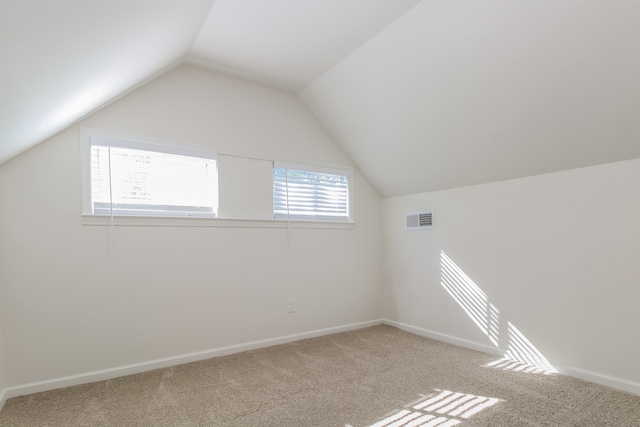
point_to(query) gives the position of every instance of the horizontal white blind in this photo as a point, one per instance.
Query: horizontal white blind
(309, 195)
(151, 183)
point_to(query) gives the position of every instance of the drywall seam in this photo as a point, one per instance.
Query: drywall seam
(136, 368)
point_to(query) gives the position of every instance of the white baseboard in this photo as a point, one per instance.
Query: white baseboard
(461, 342)
(3, 398)
(136, 368)
(583, 374)
(105, 374)
(602, 379)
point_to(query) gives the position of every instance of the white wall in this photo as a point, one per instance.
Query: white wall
(558, 255)
(2, 347)
(71, 307)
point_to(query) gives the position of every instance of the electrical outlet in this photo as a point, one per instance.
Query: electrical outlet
(292, 305)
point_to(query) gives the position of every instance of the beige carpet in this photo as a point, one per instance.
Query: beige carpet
(378, 376)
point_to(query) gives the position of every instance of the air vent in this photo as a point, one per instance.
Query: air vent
(419, 220)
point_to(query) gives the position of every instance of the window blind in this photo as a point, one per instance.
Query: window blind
(127, 181)
(310, 195)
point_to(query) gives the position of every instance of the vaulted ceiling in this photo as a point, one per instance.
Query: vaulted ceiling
(465, 92)
(422, 95)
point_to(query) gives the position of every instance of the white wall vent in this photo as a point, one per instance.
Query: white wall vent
(419, 220)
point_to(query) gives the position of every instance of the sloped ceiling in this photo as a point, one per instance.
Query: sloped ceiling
(61, 59)
(289, 43)
(456, 93)
(423, 95)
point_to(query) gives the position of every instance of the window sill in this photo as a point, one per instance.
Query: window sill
(149, 221)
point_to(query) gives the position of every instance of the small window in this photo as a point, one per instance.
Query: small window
(305, 193)
(132, 178)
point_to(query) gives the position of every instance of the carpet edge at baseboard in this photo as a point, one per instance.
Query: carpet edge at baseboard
(3, 398)
(617, 383)
(136, 368)
(602, 379)
(450, 339)
(105, 374)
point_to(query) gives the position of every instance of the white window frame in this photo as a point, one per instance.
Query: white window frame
(90, 137)
(333, 170)
(181, 148)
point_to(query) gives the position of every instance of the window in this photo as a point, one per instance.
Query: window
(137, 178)
(132, 181)
(306, 193)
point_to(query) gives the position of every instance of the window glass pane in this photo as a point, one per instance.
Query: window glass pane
(308, 195)
(140, 182)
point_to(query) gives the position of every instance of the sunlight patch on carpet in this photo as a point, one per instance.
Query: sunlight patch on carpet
(442, 409)
(522, 356)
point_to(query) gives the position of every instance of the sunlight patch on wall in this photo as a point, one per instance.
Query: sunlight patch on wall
(521, 355)
(521, 349)
(471, 298)
(443, 409)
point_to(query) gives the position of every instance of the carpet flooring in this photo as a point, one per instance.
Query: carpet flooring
(378, 376)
